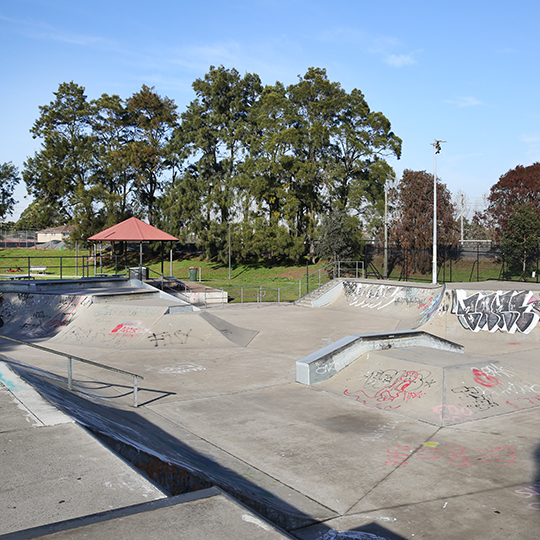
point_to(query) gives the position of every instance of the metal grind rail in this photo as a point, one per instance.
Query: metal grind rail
(72, 357)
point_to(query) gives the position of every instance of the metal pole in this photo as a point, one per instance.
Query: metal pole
(436, 149)
(229, 250)
(385, 231)
(462, 218)
(434, 266)
(135, 388)
(70, 373)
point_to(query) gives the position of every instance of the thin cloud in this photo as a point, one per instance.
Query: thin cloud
(466, 101)
(400, 60)
(44, 31)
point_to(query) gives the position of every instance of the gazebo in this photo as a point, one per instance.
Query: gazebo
(134, 230)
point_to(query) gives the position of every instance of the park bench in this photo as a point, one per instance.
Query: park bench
(38, 269)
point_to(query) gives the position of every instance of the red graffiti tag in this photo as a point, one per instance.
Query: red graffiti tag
(484, 379)
(398, 390)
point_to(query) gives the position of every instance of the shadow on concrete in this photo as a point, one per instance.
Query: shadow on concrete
(177, 467)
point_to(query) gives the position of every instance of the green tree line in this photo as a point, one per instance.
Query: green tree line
(277, 166)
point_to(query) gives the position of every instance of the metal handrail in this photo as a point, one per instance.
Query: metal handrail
(72, 357)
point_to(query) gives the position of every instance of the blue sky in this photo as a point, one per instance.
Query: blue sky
(464, 72)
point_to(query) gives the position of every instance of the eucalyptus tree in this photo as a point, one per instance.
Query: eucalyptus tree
(212, 136)
(113, 171)
(151, 120)
(9, 178)
(65, 160)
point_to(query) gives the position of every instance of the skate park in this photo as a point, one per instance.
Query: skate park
(368, 410)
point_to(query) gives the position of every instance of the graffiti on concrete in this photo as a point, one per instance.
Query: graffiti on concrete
(502, 382)
(35, 316)
(529, 492)
(380, 296)
(388, 389)
(183, 368)
(474, 398)
(164, 339)
(451, 413)
(453, 454)
(504, 311)
(382, 432)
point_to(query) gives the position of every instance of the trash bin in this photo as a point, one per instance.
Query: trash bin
(193, 273)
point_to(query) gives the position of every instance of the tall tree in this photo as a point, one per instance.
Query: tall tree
(65, 160)
(517, 187)
(114, 172)
(412, 220)
(9, 178)
(520, 241)
(152, 119)
(212, 136)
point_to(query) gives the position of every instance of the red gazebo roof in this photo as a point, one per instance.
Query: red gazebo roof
(132, 230)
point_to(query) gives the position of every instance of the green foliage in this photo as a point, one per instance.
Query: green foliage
(515, 188)
(9, 178)
(340, 237)
(520, 240)
(268, 161)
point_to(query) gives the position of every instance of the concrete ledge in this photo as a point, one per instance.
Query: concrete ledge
(326, 362)
(110, 515)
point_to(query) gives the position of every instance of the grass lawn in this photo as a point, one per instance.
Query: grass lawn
(257, 279)
(248, 282)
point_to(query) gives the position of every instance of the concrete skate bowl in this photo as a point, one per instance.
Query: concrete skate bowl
(488, 314)
(78, 319)
(29, 316)
(438, 387)
(402, 306)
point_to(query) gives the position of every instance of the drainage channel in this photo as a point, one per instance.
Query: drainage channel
(171, 478)
(174, 479)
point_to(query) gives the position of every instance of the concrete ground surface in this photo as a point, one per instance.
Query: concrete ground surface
(450, 452)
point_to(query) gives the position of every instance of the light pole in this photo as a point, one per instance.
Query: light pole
(386, 230)
(436, 149)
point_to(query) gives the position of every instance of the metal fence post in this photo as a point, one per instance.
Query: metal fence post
(70, 373)
(135, 388)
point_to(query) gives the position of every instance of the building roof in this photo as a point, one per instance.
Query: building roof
(133, 230)
(62, 229)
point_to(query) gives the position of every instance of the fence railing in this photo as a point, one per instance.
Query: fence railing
(295, 291)
(460, 264)
(53, 267)
(71, 357)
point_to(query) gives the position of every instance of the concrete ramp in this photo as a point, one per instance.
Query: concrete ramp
(127, 326)
(444, 389)
(33, 316)
(405, 306)
(488, 312)
(115, 320)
